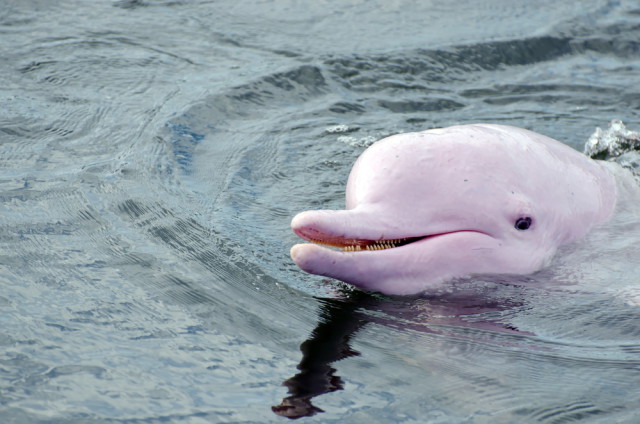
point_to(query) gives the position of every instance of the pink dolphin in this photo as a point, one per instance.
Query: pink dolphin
(427, 207)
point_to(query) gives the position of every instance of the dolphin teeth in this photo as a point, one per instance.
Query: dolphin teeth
(379, 245)
(357, 245)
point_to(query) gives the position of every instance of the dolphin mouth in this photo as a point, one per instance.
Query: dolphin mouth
(350, 244)
(346, 232)
(357, 245)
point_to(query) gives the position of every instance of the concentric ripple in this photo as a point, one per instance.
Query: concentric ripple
(153, 155)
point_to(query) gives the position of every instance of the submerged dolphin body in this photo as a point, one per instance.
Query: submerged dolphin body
(427, 207)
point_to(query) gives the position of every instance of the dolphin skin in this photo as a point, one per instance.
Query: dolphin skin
(426, 207)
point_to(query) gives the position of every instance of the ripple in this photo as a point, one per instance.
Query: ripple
(149, 177)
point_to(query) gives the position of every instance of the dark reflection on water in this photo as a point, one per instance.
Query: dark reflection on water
(341, 318)
(328, 343)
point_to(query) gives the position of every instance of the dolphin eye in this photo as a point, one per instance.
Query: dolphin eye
(523, 223)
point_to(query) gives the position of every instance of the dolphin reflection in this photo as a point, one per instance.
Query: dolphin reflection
(340, 319)
(328, 343)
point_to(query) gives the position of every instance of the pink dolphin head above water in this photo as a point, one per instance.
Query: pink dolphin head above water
(423, 208)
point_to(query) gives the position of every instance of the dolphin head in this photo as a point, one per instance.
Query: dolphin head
(423, 208)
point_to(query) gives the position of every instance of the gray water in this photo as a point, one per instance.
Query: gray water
(153, 153)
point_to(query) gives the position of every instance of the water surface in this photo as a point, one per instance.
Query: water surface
(154, 152)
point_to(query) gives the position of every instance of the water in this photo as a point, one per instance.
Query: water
(153, 153)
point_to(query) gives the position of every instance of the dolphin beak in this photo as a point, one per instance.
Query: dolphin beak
(352, 246)
(341, 228)
(305, 256)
